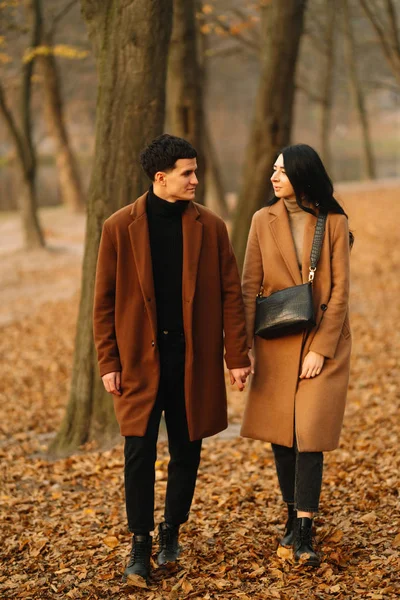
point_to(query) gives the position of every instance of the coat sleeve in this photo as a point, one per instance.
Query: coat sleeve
(252, 279)
(236, 353)
(327, 336)
(104, 306)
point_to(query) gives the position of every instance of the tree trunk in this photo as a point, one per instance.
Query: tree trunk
(281, 29)
(388, 33)
(131, 43)
(67, 168)
(28, 208)
(327, 86)
(214, 196)
(215, 193)
(185, 116)
(22, 139)
(357, 92)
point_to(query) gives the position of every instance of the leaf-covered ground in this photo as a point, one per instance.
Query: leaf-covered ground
(63, 532)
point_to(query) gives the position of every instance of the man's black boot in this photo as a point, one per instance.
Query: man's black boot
(169, 546)
(288, 536)
(302, 543)
(139, 560)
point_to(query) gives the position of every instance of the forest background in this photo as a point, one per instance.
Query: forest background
(240, 80)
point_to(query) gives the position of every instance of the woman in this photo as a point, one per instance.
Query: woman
(298, 390)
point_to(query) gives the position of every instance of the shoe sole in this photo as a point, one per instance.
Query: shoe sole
(136, 580)
(308, 563)
(167, 562)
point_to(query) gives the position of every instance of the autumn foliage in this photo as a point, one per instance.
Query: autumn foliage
(63, 531)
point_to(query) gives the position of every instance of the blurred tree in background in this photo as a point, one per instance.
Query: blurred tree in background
(184, 112)
(281, 30)
(70, 183)
(20, 130)
(38, 69)
(383, 16)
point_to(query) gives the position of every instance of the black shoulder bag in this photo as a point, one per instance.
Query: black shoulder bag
(290, 310)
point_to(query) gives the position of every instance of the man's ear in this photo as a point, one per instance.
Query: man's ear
(160, 178)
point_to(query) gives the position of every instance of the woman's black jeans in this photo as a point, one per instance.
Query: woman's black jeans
(300, 476)
(141, 452)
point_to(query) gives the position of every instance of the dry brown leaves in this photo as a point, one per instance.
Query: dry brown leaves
(63, 532)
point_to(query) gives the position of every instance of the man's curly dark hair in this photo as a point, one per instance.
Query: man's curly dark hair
(163, 152)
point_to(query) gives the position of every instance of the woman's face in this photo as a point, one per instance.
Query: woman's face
(280, 181)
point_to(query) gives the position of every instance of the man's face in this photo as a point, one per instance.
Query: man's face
(180, 183)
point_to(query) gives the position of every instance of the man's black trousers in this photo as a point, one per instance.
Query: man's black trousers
(141, 452)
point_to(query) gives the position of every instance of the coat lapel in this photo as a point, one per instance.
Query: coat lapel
(140, 241)
(192, 230)
(280, 228)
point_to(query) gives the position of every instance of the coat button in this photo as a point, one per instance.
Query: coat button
(323, 307)
(152, 343)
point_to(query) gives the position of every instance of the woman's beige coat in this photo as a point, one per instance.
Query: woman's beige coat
(278, 400)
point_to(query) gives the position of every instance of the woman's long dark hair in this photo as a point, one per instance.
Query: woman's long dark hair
(310, 181)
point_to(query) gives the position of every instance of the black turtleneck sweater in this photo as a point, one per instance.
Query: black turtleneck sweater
(166, 243)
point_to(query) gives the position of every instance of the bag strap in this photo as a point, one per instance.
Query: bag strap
(317, 245)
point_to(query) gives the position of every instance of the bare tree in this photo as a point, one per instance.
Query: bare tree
(327, 83)
(67, 167)
(321, 33)
(357, 90)
(185, 115)
(383, 18)
(281, 30)
(21, 136)
(215, 192)
(130, 38)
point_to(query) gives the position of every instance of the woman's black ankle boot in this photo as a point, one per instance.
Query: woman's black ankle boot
(288, 536)
(303, 544)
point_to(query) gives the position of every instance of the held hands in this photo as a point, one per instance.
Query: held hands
(112, 382)
(239, 376)
(312, 365)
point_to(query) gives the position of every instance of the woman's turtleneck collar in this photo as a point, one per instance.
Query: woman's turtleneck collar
(163, 208)
(292, 206)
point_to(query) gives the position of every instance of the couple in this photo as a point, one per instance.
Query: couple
(168, 299)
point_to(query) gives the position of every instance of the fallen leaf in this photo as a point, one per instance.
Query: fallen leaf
(111, 541)
(136, 581)
(336, 536)
(285, 553)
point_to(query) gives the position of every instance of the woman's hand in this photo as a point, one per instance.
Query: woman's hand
(312, 365)
(251, 358)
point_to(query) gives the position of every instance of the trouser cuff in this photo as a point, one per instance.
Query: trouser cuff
(176, 521)
(307, 509)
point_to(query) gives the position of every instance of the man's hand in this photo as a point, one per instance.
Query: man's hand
(239, 376)
(312, 365)
(112, 382)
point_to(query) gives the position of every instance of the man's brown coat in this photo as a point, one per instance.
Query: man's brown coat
(125, 319)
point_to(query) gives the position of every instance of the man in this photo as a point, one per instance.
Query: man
(167, 298)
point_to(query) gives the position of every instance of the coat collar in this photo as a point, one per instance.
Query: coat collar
(139, 208)
(280, 228)
(192, 230)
